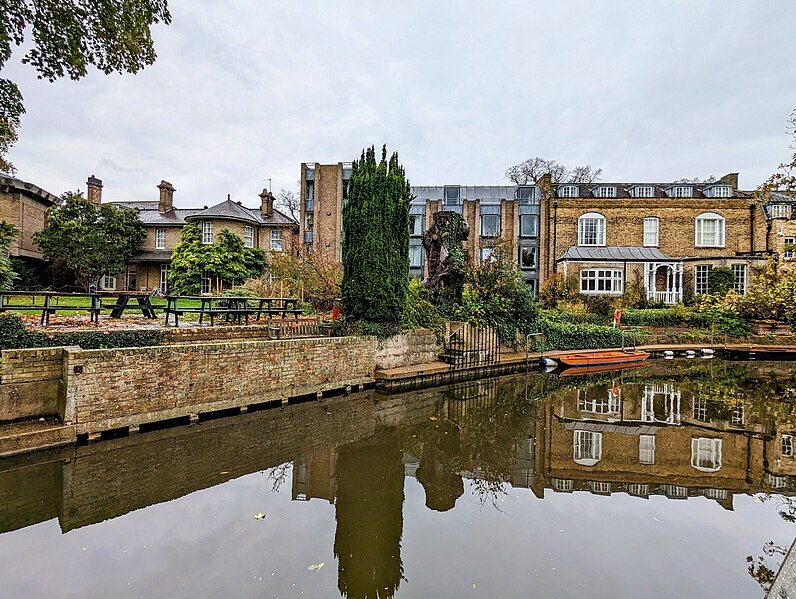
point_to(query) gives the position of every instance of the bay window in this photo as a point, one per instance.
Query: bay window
(597, 281)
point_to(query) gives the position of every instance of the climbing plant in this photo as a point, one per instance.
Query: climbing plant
(376, 240)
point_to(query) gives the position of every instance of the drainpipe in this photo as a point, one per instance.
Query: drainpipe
(751, 228)
(555, 232)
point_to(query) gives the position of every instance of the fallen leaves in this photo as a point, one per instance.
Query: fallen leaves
(315, 567)
(259, 516)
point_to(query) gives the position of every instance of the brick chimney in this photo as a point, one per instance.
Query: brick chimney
(266, 202)
(94, 186)
(166, 201)
(730, 179)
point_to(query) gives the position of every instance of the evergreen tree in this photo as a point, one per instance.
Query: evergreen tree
(376, 242)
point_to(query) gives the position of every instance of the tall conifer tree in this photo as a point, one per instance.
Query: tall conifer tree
(376, 241)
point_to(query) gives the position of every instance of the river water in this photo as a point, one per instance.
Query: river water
(676, 479)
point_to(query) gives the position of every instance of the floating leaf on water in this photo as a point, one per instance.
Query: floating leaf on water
(432, 417)
(259, 516)
(313, 567)
(224, 472)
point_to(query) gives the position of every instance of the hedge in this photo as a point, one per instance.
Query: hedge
(562, 335)
(14, 335)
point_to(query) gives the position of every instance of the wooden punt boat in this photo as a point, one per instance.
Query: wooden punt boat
(586, 359)
(598, 368)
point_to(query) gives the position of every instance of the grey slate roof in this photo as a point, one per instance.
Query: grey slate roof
(28, 189)
(228, 210)
(484, 193)
(615, 254)
(153, 256)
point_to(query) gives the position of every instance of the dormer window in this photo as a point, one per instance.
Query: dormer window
(568, 191)
(605, 191)
(681, 191)
(525, 193)
(779, 210)
(452, 198)
(643, 191)
(719, 191)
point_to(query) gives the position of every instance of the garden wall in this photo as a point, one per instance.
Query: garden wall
(407, 349)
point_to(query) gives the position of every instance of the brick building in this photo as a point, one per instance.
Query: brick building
(494, 213)
(781, 227)
(264, 227)
(24, 205)
(664, 236)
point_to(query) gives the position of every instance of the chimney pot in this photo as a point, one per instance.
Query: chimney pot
(266, 202)
(166, 200)
(94, 186)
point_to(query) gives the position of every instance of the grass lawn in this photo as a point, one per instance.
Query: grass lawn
(72, 302)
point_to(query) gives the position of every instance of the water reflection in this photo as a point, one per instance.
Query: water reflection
(677, 430)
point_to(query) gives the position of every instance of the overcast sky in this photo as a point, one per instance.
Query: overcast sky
(647, 90)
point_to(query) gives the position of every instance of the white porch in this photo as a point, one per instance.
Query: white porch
(664, 281)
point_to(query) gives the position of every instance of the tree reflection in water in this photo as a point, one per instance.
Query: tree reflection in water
(368, 509)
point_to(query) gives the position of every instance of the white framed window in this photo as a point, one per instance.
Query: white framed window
(415, 225)
(776, 482)
(651, 224)
(787, 253)
(107, 283)
(717, 494)
(699, 409)
(706, 454)
(486, 254)
(638, 490)
(587, 447)
(160, 239)
(709, 228)
(164, 278)
(207, 283)
(591, 229)
(596, 281)
(599, 487)
(644, 191)
(599, 404)
(525, 193)
(527, 258)
(529, 225)
(779, 210)
(787, 445)
(562, 485)
(646, 449)
(452, 198)
(605, 191)
(739, 278)
(681, 191)
(701, 276)
(738, 414)
(248, 236)
(720, 191)
(568, 191)
(276, 241)
(207, 233)
(415, 256)
(675, 491)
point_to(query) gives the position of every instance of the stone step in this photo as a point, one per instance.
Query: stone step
(18, 437)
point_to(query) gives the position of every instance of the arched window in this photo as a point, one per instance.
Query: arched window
(591, 229)
(709, 230)
(706, 454)
(587, 447)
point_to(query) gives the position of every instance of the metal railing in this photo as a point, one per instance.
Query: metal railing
(472, 346)
(528, 338)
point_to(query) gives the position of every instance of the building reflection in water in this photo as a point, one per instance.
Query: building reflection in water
(712, 430)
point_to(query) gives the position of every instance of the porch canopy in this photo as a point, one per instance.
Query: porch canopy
(660, 270)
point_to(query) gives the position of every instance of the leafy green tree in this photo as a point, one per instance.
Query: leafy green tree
(67, 37)
(8, 233)
(720, 280)
(226, 260)
(90, 240)
(376, 242)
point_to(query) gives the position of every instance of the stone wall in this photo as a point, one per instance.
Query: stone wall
(111, 388)
(32, 383)
(407, 349)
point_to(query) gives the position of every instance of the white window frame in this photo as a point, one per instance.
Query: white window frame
(717, 494)
(638, 490)
(779, 210)
(702, 278)
(787, 445)
(706, 450)
(610, 403)
(605, 191)
(591, 229)
(486, 254)
(534, 218)
(275, 243)
(493, 231)
(601, 281)
(207, 233)
(207, 283)
(160, 239)
(644, 191)
(568, 191)
(561, 485)
(248, 236)
(682, 191)
(651, 231)
(700, 233)
(788, 254)
(587, 447)
(699, 409)
(740, 278)
(417, 220)
(721, 191)
(646, 449)
(534, 250)
(164, 278)
(107, 283)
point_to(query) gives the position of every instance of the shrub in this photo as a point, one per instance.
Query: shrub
(313, 277)
(558, 289)
(561, 335)
(720, 280)
(598, 304)
(419, 312)
(14, 335)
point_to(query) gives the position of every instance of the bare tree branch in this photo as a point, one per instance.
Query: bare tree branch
(288, 202)
(530, 171)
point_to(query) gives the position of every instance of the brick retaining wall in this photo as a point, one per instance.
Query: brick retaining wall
(32, 383)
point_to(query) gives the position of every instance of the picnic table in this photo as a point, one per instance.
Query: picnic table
(144, 300)
(230, 308)
(49, 303)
